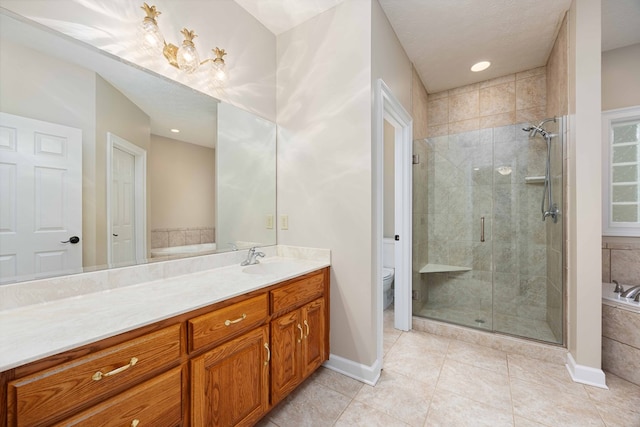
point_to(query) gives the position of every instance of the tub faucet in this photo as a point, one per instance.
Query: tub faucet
(631, 292)
(252, 257)
(619, 289)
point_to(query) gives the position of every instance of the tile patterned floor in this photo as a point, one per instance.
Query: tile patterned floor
(430, 381)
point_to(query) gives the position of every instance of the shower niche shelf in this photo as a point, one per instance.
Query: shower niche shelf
(442, 268)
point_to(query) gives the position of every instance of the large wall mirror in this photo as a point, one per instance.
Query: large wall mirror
(104, 164)
(621, 172)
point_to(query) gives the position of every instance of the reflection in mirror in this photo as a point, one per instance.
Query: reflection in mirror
(621, 172)
(119, 160)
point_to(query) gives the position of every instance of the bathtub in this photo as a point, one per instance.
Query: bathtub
(201, 248)
(620, 335)
(615, 300)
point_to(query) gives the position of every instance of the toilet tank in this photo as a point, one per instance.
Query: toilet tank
(388, 252)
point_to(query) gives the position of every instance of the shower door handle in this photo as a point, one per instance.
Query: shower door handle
(482, 229)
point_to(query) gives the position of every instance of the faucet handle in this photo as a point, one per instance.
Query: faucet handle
(619, 289)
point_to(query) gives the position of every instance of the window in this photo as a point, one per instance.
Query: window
(621, 172)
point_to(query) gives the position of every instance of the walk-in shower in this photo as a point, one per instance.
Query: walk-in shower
(483, 255)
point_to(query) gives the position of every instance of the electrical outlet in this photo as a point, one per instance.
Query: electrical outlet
(415, 295)
(284, 222)
(269, 222)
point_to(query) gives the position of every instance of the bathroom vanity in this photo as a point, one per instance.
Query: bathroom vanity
(222, 364)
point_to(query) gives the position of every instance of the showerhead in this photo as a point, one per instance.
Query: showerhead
(533, 130)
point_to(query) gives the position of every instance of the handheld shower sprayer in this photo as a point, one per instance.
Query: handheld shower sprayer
(547, 194)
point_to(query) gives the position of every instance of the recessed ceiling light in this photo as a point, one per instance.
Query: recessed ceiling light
(480, 66)
(175, 130)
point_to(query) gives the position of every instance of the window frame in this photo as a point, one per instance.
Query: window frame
(610, 118)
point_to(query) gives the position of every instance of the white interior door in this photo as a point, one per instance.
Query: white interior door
(126, 202)
(123, 207)
(41, 203)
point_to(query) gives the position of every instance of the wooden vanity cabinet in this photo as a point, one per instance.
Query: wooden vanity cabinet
(223, 365)
(230, 383)
(299, 338)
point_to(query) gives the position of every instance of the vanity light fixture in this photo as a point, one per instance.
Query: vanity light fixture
(480, 66)
(185, 57)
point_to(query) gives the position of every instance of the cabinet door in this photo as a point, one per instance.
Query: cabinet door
(230, 384)
(313, 345)
(286, 342)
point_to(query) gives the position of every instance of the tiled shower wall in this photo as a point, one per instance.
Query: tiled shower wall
(506, 100)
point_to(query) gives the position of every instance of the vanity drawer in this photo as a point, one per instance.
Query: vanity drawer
(220, 325)
(49, 394)
(157, 402)
(295, 294)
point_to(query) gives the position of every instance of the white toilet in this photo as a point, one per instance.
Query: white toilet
(388, 263)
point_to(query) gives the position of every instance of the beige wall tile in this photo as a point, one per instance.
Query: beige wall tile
(464, 126)
(464, 89)
(531, 73)
(192, 237)
(437, 130)
(625, 266)
(618, 324)
(438, 95)
(498, 99)
(159, 239)
(438, 112)
(531, 115)
(621, 360)
(464, 106)
(419, 100)
(531, 92)
(498, 81)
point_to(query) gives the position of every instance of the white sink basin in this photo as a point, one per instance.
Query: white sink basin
(282, 267)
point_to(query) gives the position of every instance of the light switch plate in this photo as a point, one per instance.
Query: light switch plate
(284, 222)
(269, 222)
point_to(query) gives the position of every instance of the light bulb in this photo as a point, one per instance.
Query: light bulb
(219, 73)
(188, 58)
(151, 39)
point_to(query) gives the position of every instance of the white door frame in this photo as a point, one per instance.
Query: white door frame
(140, 189)
(388, 108)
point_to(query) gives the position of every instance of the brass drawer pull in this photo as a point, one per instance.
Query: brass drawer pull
(266, 345)
(99, 375)
(239, 319)
(307, 325)
(301, 334)
(135, 423)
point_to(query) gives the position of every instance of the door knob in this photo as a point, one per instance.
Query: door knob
(73, 240)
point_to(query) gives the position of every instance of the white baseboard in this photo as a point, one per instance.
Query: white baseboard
(585, 374)
(366, 374)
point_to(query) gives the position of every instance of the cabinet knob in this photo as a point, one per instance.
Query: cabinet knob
(135, 423)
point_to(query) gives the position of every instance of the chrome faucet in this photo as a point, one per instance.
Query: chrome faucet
(252, 257)
(631, 292)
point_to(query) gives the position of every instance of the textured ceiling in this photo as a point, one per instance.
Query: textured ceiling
(444, 38)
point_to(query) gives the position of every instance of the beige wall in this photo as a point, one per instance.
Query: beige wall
(181, 184)
(620, 77)
(325, 177)
(506, 100)
(40, 87)
(324, 161)
(117, 115)
(584, 174)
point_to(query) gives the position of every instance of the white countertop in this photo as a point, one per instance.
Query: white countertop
(36, 331)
